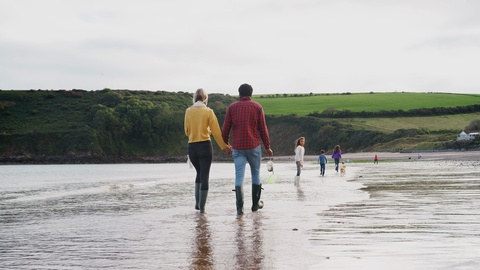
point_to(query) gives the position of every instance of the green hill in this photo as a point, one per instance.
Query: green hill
(397, 121)
(141, 126)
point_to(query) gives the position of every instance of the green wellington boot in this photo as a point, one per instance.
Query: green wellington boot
(203, 200)
(239, 196)
(197, 195)
(256, 194)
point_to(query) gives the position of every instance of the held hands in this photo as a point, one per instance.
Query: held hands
(228, 150)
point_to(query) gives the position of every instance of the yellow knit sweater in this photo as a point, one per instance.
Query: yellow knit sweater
(200, 122)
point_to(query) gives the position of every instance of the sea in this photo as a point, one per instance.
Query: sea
(413, 214)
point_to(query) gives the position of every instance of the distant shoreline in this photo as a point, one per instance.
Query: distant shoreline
(472, 155)
(86, 159)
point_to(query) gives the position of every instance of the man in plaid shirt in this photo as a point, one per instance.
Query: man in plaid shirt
(246, 119)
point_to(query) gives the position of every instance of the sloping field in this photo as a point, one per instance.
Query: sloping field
(432, 123)
(303, 105)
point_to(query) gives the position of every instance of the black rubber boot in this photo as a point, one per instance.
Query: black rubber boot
(256, 193)
(239, 196)
(197, 195)
(203, 200)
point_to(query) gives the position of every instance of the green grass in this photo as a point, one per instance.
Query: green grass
(303, 105)
(421, 142)
(432, 123)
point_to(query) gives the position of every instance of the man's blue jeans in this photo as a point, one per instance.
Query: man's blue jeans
(254, 158)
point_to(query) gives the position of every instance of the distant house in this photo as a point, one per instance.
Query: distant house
(466, 136)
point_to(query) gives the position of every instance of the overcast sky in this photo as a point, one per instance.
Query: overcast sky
(278, 46)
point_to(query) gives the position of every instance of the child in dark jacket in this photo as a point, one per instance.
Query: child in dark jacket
(322, 159)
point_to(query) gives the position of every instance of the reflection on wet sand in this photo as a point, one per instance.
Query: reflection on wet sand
(202, 253)
(249, 251)
(247, 246)
(240, 261)
(300, 193)
(418, 216)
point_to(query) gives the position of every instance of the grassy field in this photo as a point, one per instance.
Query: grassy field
(432, 123)
(303, 105)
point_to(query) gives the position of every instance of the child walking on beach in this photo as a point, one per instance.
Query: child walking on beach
(322, 159)
(337, 155)
(299, 153)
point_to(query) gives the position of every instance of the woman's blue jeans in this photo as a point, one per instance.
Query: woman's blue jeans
(254, 158)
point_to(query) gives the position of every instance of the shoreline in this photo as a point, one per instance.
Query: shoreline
(472, 155)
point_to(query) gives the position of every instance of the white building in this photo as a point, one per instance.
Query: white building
(466, 136)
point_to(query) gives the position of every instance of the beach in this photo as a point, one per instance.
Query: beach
(401, 214)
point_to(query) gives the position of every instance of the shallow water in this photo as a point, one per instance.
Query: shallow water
(399, 215)
(420, 215)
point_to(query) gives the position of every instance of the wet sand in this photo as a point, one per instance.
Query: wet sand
(401, 214)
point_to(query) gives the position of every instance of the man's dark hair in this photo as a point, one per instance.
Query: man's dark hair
(245, 90)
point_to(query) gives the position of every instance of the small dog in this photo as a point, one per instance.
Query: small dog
(343, 169)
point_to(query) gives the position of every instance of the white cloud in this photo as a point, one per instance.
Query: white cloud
(277, 46)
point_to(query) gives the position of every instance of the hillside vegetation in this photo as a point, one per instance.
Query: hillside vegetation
(456, 122)
(143, 126)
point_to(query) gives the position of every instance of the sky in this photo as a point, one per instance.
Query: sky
(277, 46)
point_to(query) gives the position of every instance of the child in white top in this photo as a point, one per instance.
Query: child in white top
(299, 153)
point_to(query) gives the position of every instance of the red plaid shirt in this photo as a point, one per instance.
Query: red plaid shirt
(247, 119)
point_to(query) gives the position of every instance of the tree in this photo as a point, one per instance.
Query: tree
(473, 126)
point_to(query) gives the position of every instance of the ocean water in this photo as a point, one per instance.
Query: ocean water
(396, 215)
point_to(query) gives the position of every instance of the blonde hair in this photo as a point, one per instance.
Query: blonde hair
(200, 95)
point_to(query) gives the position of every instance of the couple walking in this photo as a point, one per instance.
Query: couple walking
(245, 119)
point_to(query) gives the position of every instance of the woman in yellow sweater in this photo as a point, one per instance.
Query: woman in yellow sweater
(200, 122)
